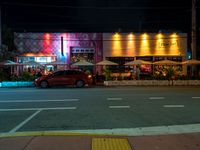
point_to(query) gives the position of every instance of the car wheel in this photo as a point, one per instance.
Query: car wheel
(80, 83)
(44, 84)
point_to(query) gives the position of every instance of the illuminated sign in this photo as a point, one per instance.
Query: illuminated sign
(168, 43)
(82, 50)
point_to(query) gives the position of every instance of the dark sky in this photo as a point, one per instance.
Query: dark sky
(97, 16)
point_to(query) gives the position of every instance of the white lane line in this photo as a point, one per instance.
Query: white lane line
(119, 106)
(156, 97)
(25, 109)
(173, 106)
(196, 97)
(24, 122)
(114, 98)
(36, 101)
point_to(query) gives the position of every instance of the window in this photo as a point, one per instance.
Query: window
(121, 61)
(59, 73)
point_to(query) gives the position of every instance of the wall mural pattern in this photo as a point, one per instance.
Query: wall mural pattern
(50, 44)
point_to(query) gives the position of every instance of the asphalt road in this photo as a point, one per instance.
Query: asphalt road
(58, 109)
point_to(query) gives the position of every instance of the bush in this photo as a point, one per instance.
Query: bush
(26, 76)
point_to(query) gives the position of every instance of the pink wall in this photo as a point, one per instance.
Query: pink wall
(50, 43)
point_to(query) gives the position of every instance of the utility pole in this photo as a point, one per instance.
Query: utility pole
(0, 29)
(194, 28)
(193, 34)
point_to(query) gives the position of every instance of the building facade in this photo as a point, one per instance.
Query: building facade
(125, 47)
(94, 47)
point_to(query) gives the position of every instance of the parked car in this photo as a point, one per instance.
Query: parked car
(63, 78)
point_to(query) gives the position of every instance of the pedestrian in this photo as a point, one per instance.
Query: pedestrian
(138, 72)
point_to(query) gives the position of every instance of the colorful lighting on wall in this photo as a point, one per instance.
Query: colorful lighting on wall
(116, 45)
(160, 49)
(131, 44)
(144, 45)
(47, 43)
(174, 46)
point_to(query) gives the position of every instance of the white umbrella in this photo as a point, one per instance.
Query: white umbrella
(8, 63)
(166, 62)
(138, 62)
(83, 63)
(106, 63)
(191, 62)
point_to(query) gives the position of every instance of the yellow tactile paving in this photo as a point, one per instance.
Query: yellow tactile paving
(110, 144)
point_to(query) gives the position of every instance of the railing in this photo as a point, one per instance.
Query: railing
(153, 83)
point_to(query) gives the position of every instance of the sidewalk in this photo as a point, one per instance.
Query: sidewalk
(189, 141)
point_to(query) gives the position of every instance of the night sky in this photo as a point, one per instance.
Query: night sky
(98, 16)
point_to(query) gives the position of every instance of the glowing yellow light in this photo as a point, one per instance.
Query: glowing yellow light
(116, 45)
(144, 48)
(174, 35)
(174, 47)
(160, 42)
(159, 36)
(144, 36)
(116, 35)
(130, 44)
(130, 36)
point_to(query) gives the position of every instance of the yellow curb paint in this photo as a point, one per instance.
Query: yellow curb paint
(51, 133)
(110, 144)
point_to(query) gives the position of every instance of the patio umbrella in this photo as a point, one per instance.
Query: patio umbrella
(82, 63)
(166, 62)
(106, 63)
(191, 62)
(13, 65)
(8, 63)
(138, 62)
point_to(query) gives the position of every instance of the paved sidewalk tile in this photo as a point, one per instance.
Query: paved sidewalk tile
(60, 143)
(14, 143)
(166, 142)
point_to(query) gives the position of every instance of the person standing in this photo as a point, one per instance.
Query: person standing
(138, 72)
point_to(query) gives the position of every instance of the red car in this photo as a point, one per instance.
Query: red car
(63, 78)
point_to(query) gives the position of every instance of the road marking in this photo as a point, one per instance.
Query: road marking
(24, 122)
(173, 106)
(156, 97)
(114, 99)
(36, 101)
(25, 109)
(196, 97)
(119, 106)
